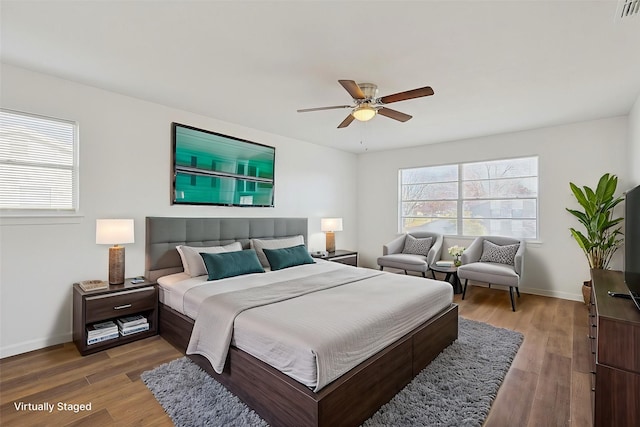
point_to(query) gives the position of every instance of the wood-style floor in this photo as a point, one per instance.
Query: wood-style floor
(547, 385)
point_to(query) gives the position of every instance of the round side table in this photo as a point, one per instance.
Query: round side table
(451, 276)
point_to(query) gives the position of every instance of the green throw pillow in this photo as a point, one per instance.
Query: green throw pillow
(230, 264)
(288, 257)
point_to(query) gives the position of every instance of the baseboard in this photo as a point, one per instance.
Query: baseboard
(37, 344)
(536, 291)
(554, 294)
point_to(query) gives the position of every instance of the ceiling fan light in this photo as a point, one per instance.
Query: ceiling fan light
(364, 112)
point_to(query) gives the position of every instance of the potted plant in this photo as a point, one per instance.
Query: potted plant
(456, 252)
(602, 236)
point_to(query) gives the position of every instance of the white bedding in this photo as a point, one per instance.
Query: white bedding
(360, 318)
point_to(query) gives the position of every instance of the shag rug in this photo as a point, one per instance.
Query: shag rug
(456, 389)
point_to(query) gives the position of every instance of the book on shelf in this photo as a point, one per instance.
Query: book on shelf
(126, 322)
(102, 329)
(95, 340)
(93, 285)
(134, 329)
(444, 263)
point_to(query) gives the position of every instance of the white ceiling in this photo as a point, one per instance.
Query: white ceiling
(495, 66)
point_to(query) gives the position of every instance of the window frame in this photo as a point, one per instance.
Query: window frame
(460, 200)
(25, 215)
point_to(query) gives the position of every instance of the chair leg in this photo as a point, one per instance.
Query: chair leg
(405, 272)
(433, 274)
(381, 267)
(518, 291)
(489, 285)
(424, 274)
(513, 304)
(464, 291)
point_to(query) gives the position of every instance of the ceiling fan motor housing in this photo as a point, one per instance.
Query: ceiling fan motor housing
(369, 90)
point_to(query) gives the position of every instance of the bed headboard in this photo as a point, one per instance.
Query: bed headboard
(163, 234)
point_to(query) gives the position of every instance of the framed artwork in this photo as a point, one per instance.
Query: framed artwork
(214, 169)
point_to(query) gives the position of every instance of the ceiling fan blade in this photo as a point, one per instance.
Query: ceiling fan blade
(306, 110)
(410, 94)
(393, 114)
(346, 122)
(353, 88)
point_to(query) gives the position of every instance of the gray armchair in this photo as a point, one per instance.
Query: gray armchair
(496, 264)
(409, 254)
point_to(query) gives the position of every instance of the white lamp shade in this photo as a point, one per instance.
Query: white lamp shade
(331, 224)
(114, 231)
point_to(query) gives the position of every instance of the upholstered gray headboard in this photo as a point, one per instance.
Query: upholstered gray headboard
(163, 234)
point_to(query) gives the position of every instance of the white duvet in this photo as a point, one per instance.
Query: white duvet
(317, 337)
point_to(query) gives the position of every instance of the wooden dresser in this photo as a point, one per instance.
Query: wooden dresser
(615, 345)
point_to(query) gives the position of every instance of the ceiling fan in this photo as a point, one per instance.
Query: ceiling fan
(367, 105)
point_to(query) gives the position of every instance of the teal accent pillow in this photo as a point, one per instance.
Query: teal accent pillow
(230, 264)
(288, 257)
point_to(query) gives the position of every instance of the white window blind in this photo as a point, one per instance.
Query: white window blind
(498, 197)
(38, 166)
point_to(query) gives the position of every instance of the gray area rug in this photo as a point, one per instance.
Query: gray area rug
(456, 389)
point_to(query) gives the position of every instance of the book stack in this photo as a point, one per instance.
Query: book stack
(102, 331)
(93, 285)
(444, 263)
(132, 324)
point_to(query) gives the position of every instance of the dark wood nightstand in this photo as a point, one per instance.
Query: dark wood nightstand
(343, 257)
(111, 304)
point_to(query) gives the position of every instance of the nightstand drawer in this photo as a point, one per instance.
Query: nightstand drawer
(346, 259)
(107, 306)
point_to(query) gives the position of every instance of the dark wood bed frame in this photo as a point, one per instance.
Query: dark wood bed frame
(348, 401)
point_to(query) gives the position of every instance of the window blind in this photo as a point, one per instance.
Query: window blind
(38, 166)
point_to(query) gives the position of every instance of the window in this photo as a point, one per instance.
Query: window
(38, 164)
(472, 199)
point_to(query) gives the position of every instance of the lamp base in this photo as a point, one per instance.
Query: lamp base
(331, 242)
(116, 265)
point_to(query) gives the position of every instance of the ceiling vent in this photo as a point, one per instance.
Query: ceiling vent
(627, 9)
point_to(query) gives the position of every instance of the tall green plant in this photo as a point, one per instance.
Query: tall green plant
(601, 239)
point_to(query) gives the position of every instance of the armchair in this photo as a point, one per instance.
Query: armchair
(407, 252)
(498, 262)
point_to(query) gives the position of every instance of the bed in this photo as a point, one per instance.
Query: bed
(348, 399)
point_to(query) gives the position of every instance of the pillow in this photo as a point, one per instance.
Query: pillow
(500, 254)
(192, 261)
(287, 242)
(288, 257)
(230, 264)
(416, 246)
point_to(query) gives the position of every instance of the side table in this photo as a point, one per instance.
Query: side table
(117, 301)
(451, 276)
(342, 256)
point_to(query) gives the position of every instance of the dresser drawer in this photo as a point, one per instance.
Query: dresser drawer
(107, 306)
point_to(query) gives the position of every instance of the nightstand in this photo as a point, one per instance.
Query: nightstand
(343, 257)
(113, 303)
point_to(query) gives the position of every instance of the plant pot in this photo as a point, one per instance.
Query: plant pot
(586, 292)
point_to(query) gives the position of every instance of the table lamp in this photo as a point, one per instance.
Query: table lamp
(115, 232)
(329, 226)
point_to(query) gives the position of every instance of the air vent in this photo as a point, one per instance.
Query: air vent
(627, 9)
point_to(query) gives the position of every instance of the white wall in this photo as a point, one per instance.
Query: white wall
(125, 150)
(579, 153)
(633, 158)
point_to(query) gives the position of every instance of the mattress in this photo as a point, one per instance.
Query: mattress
(354, 320)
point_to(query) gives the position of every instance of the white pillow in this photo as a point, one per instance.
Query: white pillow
(287, 242)
(193, 263)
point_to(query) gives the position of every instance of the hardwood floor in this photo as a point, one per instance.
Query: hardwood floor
(547, 385)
